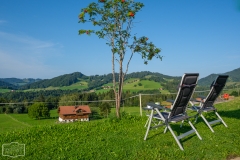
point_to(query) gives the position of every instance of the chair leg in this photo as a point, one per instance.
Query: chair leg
(221, 119)
(195, 130)
(182, 124)
(209, 126)
(165, 130)
(175, 137)
(149, 124)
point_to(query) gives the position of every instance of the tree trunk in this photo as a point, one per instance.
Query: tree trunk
(120, 86)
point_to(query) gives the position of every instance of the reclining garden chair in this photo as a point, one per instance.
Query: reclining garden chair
(177, 111)
(206, 104)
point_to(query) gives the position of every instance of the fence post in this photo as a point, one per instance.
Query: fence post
(140, 101)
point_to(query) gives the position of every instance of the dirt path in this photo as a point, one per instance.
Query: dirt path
(17, 120)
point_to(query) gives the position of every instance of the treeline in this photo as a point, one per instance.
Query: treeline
(56, 98)
(35, 96)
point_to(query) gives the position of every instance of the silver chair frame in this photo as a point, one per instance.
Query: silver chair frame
(177, 113)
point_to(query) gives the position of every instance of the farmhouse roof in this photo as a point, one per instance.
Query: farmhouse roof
(66, 110)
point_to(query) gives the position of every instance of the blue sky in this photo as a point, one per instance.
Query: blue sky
(39, 39)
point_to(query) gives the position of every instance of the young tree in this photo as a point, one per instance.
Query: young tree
(114, 22)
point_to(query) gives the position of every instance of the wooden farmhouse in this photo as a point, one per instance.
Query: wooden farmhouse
(74, 113)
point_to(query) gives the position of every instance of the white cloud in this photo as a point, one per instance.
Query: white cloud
(25, 41)
(22, 56)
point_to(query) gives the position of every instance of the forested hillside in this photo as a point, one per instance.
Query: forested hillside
(63, 80)
(79, 81)
(234, 76)
(6, 85)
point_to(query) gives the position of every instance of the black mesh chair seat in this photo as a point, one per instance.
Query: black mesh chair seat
(207, 109)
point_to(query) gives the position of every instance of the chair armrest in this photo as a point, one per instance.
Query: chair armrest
(153, 105)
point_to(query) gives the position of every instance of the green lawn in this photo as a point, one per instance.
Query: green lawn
(123, 139)
(9, 124)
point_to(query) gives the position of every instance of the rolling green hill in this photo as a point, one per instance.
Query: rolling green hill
(102, 83)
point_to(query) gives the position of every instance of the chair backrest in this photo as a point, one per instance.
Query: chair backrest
(185, 92)
(216, 88)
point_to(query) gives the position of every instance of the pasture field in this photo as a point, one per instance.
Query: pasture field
(79, 85)
(146, 85)
(108, 84)
(132, 86)
(112, 138)
(4, 90)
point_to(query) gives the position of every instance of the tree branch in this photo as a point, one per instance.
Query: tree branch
(129, 62)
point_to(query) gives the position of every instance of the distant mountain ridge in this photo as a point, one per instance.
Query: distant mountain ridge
(97, 81)
(19, 82)
(234, 76)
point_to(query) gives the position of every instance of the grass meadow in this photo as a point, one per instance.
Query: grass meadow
(78, 85)
(112, 138)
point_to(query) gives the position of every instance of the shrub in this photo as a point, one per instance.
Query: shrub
(38, 110)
